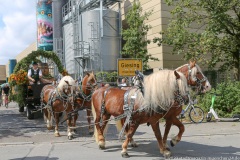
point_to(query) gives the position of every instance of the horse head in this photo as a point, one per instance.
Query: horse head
(195, 78)
(89, 83)
(67, 88)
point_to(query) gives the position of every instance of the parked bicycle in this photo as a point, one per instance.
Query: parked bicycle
(196, 114)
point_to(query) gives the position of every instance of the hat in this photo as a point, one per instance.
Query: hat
(34, 63)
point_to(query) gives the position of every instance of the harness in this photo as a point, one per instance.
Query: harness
(196, 79)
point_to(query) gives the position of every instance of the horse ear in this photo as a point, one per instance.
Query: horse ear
(67, 82)
(176, 74)
(88, 74)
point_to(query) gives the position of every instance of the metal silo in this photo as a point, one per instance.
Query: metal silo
(104, 49)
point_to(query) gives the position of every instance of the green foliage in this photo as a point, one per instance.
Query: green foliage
(136, 35)
(228, 103)
(214, 34)
(20, 94)
(107, 76)
(25, 62)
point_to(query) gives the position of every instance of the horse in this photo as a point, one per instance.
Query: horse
(58, 100)
(163, 90)
(196, 80)
(83, 98)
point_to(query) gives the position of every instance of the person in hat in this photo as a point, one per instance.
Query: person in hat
(34, 74)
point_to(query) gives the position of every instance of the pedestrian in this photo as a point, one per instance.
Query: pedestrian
(123, 84)
(0, 96)
(5, 93)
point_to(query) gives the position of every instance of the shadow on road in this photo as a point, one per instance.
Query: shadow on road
(36, 158)
(182, 150)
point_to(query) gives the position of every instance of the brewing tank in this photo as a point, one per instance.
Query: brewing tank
(106, 48)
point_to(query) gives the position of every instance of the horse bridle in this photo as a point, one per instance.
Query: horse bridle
(198, 81)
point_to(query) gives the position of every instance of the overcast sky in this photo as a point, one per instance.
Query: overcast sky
(17, 27)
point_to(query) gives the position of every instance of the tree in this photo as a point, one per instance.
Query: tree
(136, 35)
(215, 40)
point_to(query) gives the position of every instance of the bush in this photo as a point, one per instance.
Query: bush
(228, 103)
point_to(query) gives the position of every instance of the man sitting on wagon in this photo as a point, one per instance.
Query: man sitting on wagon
(34, 74)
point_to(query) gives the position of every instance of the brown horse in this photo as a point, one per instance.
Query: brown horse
(83, 98)
(57, 100)
(163, 90)
(199, 82)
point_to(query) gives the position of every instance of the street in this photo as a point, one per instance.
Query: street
(23, 139)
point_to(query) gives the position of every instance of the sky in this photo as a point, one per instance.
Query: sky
(17, 27)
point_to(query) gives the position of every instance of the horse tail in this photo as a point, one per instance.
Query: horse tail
(119, 125)
(95, 134)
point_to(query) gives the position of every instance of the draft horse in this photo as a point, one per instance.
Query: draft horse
(83, 98)
(59, 100)
(199, 82)
(163, 90)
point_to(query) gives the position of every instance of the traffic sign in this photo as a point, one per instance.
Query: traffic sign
(127, 67)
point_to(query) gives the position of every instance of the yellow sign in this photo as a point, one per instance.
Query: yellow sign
(127, 67)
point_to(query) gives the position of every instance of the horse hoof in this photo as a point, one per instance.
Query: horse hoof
(91, 133)
(134, 145)
(101, 147)
(70, 137)
(172, 144)
(50, 128)
(57, 134)
(125, 155)
(167, 154)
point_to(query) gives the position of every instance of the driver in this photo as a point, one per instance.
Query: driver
(34, 74)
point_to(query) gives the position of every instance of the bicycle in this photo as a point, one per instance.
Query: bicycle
(196, 114)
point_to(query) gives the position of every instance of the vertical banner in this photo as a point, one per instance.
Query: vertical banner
(44, 25)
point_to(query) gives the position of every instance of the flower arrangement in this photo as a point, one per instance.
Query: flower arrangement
(19, 78)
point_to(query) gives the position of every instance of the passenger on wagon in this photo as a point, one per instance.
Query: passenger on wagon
(34, 74)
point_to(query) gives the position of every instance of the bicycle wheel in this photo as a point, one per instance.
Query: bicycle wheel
(196, 114)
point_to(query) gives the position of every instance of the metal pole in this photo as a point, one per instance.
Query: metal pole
(120, 29)
(101, 17)
(101, 32)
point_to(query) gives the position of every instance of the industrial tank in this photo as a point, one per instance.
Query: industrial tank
(105, 49)
(12, 64)
(44, 25)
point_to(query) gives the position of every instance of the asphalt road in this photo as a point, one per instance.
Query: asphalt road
(23, 139)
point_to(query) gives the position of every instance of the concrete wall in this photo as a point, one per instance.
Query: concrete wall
(2, 74)
(158, 20)
(27, 51)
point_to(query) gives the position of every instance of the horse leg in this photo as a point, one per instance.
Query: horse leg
(166, 132)
(181, 127)
(157, 133)
(56, 127)
(103, 129)
(69, 130)
(75, 117)
(90, 128)
(119, 125)
(131, 130)
(48, 118)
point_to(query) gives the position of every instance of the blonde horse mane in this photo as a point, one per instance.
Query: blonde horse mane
(160, 87)
(63, 83)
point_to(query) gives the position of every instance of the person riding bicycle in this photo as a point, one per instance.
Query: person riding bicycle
(34, 74)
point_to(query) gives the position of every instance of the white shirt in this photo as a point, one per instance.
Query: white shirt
(30, 72)
(122, 85)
